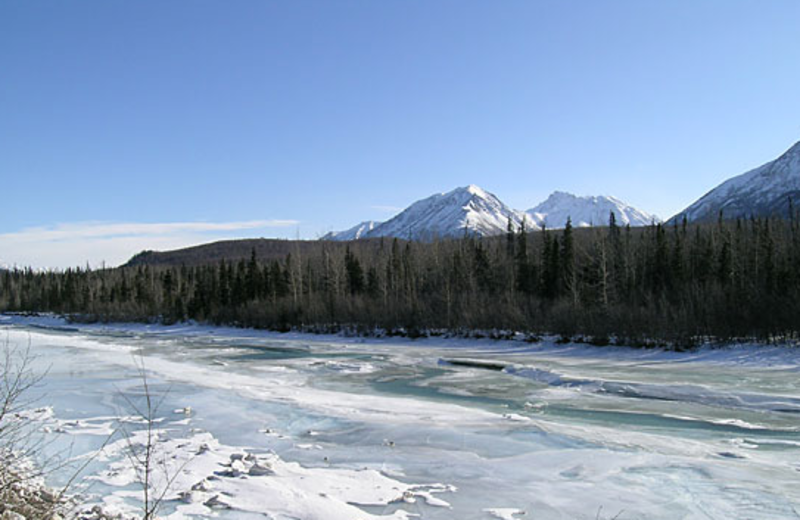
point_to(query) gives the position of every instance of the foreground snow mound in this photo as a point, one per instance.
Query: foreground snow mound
(203, 476)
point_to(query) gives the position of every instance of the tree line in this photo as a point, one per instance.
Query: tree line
(676, 283)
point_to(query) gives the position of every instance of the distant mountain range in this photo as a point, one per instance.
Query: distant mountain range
(763, 191)
(767, 190)
(471, 210)
(360, 230)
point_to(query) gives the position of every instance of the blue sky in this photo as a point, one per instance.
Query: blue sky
(156, 124)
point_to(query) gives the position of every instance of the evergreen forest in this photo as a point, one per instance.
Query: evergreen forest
(676, 284)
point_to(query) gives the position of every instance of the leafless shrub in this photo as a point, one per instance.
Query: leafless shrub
(25, 460)
(151, 466)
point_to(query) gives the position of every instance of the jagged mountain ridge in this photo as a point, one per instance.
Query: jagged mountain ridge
(472, 210)
(586, 211)
(762, 191)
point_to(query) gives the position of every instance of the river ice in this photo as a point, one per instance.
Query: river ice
(292, 426)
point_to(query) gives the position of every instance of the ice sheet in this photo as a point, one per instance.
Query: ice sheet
(385, 429)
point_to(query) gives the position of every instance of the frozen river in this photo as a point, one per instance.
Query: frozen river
(289, 426)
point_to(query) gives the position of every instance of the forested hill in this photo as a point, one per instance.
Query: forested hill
(680, 283)
(232, 250)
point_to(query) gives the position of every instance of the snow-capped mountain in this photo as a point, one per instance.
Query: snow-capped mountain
(468, 210)
(354, 233)
(474, 211)
(763, 191)
(586, 211)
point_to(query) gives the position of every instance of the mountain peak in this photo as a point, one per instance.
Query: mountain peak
(469, 191)
(562, 195)
(585, 211)
(474, 189)
(465, 210)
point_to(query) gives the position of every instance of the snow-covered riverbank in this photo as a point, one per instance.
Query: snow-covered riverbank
(304, 426)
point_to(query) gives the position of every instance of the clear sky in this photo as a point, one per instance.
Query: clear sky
(156, 124)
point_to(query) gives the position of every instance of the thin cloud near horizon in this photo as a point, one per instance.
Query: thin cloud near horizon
(74, 244)
(387, 209)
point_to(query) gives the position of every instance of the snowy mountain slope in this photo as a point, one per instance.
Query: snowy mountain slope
(469, 210)
(586, 211)
(766, 190)
(360, 230)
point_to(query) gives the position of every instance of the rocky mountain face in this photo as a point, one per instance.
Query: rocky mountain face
(764, 191)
